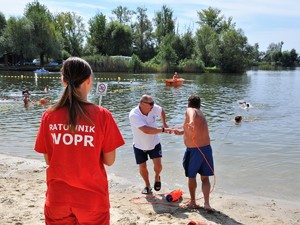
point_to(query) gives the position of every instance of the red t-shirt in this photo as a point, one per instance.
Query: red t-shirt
(76, 176)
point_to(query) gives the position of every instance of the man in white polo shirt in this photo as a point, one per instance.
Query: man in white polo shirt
(146, 140)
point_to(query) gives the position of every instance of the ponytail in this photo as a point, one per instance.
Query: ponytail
(74, 72)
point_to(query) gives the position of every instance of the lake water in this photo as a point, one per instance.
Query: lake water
(259, 157)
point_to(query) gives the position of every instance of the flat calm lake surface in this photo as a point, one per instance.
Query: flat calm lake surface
(259, 157)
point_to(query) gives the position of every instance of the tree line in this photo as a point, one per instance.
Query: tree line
(154, 46)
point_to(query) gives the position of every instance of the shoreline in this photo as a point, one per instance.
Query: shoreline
(22, 187)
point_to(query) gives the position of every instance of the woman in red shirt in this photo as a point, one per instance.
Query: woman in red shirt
(77, 139)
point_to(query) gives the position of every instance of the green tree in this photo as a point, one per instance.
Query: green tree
(211, 17)
(178, 47)
(72, 29)
(256, 53)
(123, 14)
(220, 44)
(206, 39)
(255, 56)
(275, 57)
(120, 39)
(184, 46)
(136, 63)
(294, 56)
(212, 24)
(164, 22)
(143, 36)
(189, 45)
(275, 47)
(2, 22)
(273, 53)
(97, 33)
(167, 54)
(2, 26)
(17, 38)
(227, 24)
(233, 51)
(46, 39)
(286, 59)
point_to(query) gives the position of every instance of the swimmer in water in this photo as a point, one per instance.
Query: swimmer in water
(25, 92)
(47, 89)
(238, 119)
(245, 105)
(26, 99)
(26, 95)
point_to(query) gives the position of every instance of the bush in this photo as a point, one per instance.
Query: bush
(135, 64)
(65, 54)
(100, 63)
(191, 66)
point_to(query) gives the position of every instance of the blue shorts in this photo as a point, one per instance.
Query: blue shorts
(194, 162)
(141, 156)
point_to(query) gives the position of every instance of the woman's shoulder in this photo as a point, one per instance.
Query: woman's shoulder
(99, 109)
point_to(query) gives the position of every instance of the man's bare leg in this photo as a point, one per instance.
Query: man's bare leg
(157, 168)
(144, 173)
(206, 192)
(192, 183)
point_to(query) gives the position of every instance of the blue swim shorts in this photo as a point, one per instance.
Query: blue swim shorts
(194, 162)
(141, 156)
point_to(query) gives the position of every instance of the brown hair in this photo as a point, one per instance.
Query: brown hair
(194, 101)
(74, 72)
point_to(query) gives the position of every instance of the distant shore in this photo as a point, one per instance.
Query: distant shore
(22, 186)
(29, 68)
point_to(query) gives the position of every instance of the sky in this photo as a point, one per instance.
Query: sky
(263, 21)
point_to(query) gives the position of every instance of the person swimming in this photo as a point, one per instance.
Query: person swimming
(245, 105)
(47, 89)
(26, 100)
(25, 92)
(26, 95)
(238, 119)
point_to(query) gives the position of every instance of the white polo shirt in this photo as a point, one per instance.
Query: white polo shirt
(138, 119)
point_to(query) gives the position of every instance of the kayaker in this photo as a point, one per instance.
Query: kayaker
(175, 76)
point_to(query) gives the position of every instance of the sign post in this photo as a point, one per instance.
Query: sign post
(101, 90)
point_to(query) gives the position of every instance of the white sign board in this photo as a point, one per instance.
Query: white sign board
(101, 89)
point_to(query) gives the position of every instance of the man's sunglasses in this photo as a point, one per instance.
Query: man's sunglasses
(150, 103)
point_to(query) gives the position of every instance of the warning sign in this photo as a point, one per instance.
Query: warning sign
(101, 88)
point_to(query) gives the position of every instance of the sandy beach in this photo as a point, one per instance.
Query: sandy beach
(22, 188)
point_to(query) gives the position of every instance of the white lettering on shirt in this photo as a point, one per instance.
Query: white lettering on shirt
(65, 127)
(67, 139)
(88, 140)
(72, 138)
(75, 139)
(56, 139)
